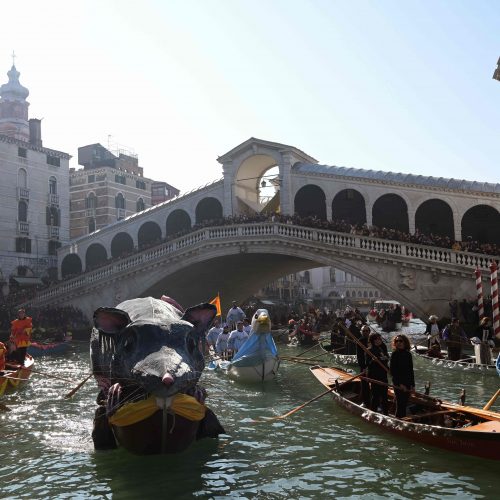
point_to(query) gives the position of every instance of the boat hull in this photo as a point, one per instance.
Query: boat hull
(480, 440)
(463, 366)
(261, 372)
(16, 379)
(57, 348)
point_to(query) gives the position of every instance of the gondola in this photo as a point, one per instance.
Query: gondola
(337, 356)
(467, 364)
(463, 429)
(14, 377)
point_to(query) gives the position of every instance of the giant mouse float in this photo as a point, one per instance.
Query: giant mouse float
(146, 359)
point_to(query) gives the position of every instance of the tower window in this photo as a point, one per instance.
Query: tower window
(22, 152)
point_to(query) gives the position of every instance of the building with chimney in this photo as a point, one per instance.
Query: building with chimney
(110, 186)
(34, 194)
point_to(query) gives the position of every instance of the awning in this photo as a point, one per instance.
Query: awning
(22, 280)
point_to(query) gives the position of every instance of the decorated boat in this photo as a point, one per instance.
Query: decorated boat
(467, 364)
(446, 425)
(14, 376)
(257, 360)
(336, 354)
(37, 349)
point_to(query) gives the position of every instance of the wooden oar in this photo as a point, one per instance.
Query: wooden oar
(301, 361)
(307, 350)
(77, 388)
(490, 403)
(53, 376)
(298, 408)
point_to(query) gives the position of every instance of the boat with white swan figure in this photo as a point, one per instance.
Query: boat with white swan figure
(258, 359)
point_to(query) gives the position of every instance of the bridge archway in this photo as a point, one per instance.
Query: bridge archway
(208, 209)
(390, 211)
(349, 205)
(95, 256)
(178, 221)
(481, 223)
(436, 217)
(149, 234)
(121, 244)
(310, 201)
(252, 185)
(71, 265)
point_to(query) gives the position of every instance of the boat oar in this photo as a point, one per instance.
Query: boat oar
(307, 350)
(53, 376)
(77, 388)
(298, 408)
(490, 403)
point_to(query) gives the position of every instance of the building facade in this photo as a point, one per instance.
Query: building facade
(34, 194)
(108, 188)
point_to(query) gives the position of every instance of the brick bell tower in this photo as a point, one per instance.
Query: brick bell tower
(14, 107)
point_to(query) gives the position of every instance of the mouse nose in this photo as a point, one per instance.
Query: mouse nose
(167, 379)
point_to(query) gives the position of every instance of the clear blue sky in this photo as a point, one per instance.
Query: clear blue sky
(390, 85)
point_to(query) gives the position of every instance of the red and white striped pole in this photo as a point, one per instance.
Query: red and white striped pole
(479, 289)
(494, 299)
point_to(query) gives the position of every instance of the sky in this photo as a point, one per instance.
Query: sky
(385, 85)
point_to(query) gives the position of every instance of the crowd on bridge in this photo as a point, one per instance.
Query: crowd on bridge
(342, 226)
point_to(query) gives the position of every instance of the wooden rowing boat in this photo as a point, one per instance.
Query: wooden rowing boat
(14, 376)
(336, 356)
(467, 365)
(446, 425)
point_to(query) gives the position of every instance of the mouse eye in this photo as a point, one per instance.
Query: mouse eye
(255, 316)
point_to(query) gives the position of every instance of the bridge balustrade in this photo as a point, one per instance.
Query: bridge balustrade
(269, 231)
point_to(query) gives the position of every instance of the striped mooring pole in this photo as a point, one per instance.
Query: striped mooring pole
(479, 289)
(494, 299)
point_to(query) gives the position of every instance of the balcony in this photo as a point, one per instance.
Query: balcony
(120, 213)
(23, 227)
(53, 232)
(53, 199)
(23, 194)
(90, 212)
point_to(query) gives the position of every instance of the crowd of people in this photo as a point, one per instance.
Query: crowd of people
(338, 225)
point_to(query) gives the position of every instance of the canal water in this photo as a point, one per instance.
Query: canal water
(320, 452)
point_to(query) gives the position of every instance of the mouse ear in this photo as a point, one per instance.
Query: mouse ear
(110, 320)
(200, 316)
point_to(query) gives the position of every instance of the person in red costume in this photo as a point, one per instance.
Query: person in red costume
(20, 336)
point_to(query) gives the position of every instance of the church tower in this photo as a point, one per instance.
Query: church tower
(14, 107)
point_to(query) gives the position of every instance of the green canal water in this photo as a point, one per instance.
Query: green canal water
(320, 452)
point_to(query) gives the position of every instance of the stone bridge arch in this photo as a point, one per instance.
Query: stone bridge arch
(310, 201)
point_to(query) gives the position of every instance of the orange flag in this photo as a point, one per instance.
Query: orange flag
(216, 303)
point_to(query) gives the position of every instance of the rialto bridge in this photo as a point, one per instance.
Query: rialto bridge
(141, 255)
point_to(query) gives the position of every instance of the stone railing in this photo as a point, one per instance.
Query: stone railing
(270, 232)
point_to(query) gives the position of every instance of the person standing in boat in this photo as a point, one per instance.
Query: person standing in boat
(455, 337)
(234, 315)
(403, 377)
(20, 336)
(213, 334)
(432, 330)
(484, 333)
(361, 356)
(237, 338)
(375, 370)
(221, 343)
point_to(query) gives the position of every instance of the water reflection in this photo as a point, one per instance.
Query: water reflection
(47, 451)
